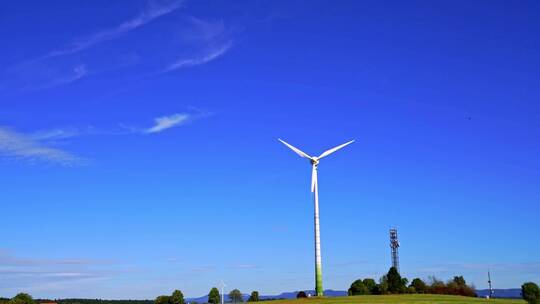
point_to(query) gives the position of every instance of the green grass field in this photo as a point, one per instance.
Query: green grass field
(391, 299)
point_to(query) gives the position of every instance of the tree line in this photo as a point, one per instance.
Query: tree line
(214, 297)
(393, 283)
(24, 298)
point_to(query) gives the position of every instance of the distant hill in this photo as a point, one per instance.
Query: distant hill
(283, 295)
(292, 295)
(511, 293)
(398, 299)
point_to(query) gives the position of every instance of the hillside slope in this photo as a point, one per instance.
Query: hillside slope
(398, 299)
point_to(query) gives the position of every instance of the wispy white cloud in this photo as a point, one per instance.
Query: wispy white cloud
(205, 30)
(70, 76)
(56, 68)
(203, 268)
(78, 72)
(15, 145)
(167, 122)
(35, 274)
(244, 266)
(39, 75)
(207, 57)
(59, 275)
(186, 41)
(9, 260)
(152, 12)
(55, 134)
(40, 146)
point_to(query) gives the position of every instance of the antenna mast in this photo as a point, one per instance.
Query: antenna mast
(490, 288)
(394, 244)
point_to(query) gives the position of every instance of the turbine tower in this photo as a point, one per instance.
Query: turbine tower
(315, 190)
(394, 244)
(222, 284)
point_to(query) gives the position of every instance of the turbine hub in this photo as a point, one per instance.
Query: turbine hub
(314, 161)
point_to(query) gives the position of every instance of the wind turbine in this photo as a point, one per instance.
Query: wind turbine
(222, 284)
(315, 190)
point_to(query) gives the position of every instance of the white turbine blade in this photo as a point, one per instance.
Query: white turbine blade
(313, 178)
(328, 152)
(295, 149)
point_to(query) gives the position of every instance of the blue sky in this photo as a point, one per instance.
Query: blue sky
(139, 152)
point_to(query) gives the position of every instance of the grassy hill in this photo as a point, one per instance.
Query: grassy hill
(398, 299)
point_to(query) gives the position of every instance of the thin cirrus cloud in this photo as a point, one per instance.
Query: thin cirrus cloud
(186, 41)
(72, 75)
(36, 147)
(39, 75)
(18, 146)
(167, 122)
(244, 266)
(31, 273)
(58, 68)
(148, 15)
(9, 260)
(215, 53)
(59, 134)
(213, 35)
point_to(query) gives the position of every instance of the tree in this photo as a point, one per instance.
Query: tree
(371, 285)
(358, 288)
(213, 296)
(458, 286)
(383, 285)
(395, 283)
(235, 296)
(301, 294)
(460, 281)
(254, 297)
(22, 298)
(177, 297)
(419, 285)
(451, 288)
(530, 293)
(404, 282)
(162, 300)
(437, 286)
